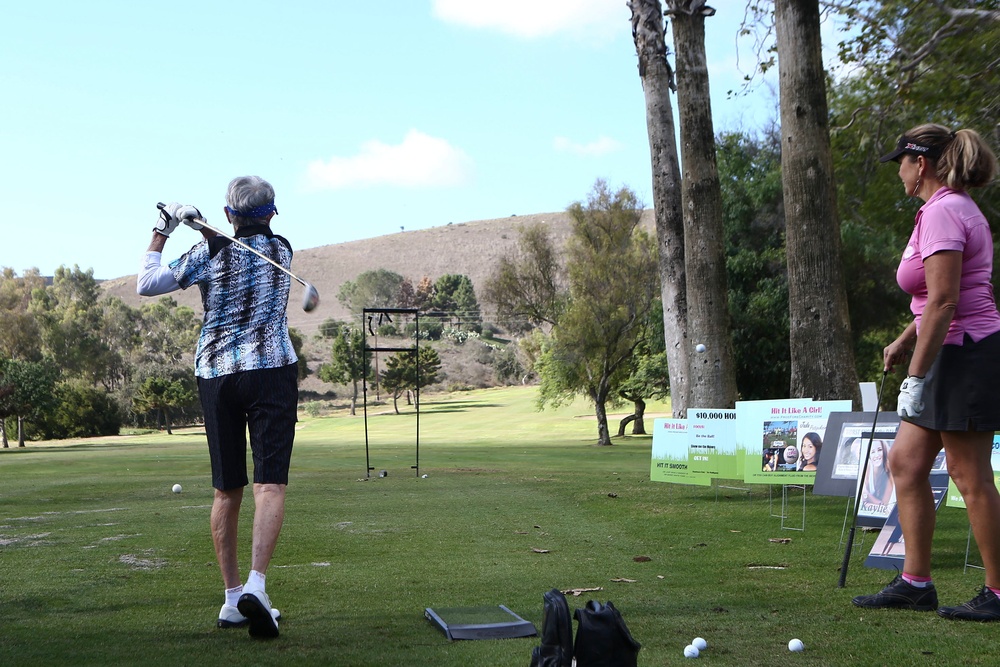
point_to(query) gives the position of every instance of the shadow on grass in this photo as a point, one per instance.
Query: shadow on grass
(127, 442)
(457, 406)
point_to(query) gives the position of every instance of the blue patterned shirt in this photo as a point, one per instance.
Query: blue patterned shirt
(244, 298)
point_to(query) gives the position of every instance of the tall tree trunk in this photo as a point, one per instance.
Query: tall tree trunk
(712, 379)
(20, 431)
(3, 433)
(657, 82)
(600, 410)
(820, 332)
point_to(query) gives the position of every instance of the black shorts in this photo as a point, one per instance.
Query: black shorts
(960, 392)
(266, 400)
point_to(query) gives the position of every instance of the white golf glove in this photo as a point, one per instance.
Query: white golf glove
(187, 214)
(911, 397)
(167, 220)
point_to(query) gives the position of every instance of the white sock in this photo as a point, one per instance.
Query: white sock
(233, 595)
(255, 581)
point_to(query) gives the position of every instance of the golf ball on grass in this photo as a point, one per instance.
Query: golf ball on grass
(796, 646)
(691, 651)
(700, 347)
(699, 643)
(176, 488)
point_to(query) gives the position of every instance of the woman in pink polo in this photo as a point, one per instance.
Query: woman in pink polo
(950, 398)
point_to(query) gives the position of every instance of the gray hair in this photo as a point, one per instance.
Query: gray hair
(246, 193)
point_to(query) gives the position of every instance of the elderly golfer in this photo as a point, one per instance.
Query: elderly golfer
(247, 377)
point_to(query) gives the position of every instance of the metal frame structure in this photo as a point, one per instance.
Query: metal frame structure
(367, 315)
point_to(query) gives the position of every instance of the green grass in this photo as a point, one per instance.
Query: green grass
(101, 564)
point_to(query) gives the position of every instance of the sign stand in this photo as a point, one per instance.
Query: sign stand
(368, 315)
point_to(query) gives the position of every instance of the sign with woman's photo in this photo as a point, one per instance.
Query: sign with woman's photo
(878, 493)
(848, 434)
(789, 441)
(889, 550)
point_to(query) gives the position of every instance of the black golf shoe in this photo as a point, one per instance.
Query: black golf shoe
(984, 607)
(900, 595)
(256, 607)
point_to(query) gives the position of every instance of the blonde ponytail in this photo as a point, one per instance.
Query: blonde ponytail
(966, 160)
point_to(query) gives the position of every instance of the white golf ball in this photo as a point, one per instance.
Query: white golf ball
(699, 643)
(691, 651)
(796, 646)
(423, 476)
(176, 488)
(700, 347)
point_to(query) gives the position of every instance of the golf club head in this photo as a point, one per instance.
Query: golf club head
(310, 298)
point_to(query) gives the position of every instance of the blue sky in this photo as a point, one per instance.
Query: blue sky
(366, 117)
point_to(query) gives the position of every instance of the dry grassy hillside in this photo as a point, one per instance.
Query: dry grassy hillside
(470, 248)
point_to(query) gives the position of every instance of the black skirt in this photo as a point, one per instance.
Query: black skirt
(961, 392)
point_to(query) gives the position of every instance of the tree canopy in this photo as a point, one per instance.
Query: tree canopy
(612, 273)
(528, 286)
(349, 361)
(378, 288)
(406, 371)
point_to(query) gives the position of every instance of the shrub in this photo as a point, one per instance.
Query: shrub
(506, 367)
(429, 330)
(81, 411)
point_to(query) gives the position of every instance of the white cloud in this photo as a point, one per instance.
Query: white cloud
(420, 160)
(602, 146)
(538, 18)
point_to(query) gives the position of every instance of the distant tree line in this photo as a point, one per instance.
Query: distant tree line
(80, 365)
(74, 364)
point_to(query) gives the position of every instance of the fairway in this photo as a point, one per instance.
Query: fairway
(101, 564)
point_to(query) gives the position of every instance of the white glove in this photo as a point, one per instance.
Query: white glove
(911, 397)
(167, 220)
(187, 214)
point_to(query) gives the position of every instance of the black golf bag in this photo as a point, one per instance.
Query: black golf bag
(602, 639)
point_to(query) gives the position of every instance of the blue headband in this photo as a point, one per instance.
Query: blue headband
(255, 212)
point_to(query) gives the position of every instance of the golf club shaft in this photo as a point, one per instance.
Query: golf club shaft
(203, 223)
(857, 497)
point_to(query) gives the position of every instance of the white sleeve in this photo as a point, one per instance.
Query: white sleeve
(155, 279)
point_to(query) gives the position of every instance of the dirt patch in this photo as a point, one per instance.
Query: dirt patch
(23, 541)
(139, 563)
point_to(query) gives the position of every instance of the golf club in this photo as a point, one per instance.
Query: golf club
(310, 298)
(857, 496)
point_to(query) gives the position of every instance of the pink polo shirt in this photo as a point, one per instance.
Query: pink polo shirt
(950, 220)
